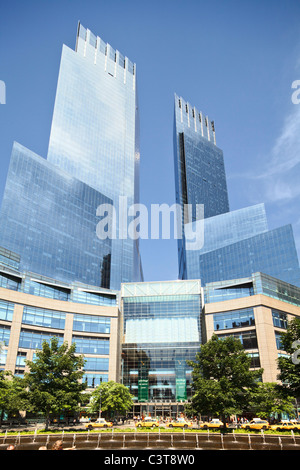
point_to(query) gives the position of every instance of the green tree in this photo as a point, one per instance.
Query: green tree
(267, 399)
(13, 394)
(54, 379)
(112, 397)
(289, 366)
(222, 379)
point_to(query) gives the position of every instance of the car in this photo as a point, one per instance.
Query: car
(147, 422)
(285, 426)
(213, 424)
(256, 424)
(179, 423)
(99, 423)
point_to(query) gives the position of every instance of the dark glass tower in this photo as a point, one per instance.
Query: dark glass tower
(235, 244)
(199, 169)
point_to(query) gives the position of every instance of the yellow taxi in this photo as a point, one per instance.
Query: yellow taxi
(213, 424)
(180, 423)
(99, 423)
(256, 424)
(285, 426)
(147, 422)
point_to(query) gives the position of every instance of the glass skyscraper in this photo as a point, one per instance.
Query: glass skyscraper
(199, 169)
(95, 133)
(235, 244)
(93, 159)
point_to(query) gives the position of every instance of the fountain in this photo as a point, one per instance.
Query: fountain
(249, 441)
(222, 441)
(109, 439)
(99, 439)
(34, 436)
(18, 438)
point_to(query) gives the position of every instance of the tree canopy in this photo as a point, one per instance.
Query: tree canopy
(111, 397)
(222, 379)
(54, 379)
(289, 366)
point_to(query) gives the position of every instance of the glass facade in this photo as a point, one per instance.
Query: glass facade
(32, 339)
(95, 133)
(49, 211)
(43, 317)
(49, 219)
(199, 168)
(258, 283)
(273, 253)
(236, 319)
(162, 331)
(236, 244)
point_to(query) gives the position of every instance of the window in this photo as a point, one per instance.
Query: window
(247, 338)
(43, 317)
(6, 310)
(93, 380)
(89, 345)
(279, 319)
(91, 324)
(34, 339)
(278, 340)
(96, 364)
(234, 319)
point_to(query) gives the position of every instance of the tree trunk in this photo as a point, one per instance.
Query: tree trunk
(223, 419)
(47, 420)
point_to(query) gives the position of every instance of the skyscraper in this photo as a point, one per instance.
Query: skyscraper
(235, 244)
(95, 133)
(93, 159)
(199, 168)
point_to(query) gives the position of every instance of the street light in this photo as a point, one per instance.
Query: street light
(100, 398)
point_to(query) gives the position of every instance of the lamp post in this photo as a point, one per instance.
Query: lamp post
(100, 398)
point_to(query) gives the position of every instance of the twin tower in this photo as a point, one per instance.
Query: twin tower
(49, 211)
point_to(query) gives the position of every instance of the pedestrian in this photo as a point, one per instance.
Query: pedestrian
(58, 445)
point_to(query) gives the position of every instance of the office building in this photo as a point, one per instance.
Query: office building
(255, 310)
(49, 214)
(234, 244)
(35, 308)
(162, 331)
(95, 134)
(199, 169)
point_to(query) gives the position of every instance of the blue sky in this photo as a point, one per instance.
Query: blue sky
(235, 60)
